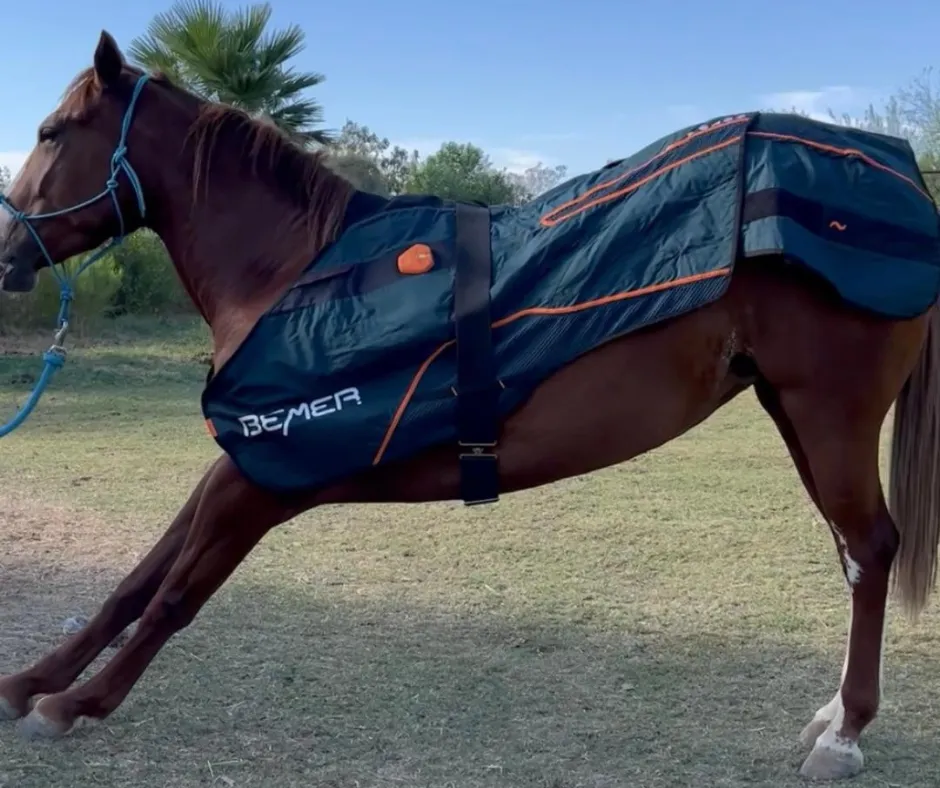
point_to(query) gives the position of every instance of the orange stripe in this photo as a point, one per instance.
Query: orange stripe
(210, 428)
(546, 221)
(544, 311)
(559, 214)
(842, 152)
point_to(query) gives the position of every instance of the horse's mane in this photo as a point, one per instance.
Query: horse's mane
(269, 154)
(319, 193)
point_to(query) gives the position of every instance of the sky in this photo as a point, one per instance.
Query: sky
(576, 83)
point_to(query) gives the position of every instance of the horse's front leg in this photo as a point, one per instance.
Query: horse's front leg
(57, 670)
(230, 518)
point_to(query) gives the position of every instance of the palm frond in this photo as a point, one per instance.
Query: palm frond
(230, 56)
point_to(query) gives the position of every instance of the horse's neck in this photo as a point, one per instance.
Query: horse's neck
(235, 270)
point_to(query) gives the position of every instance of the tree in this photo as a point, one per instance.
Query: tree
(456, 171)
(888, 121)
(929, 163)
(537, 180)
(920, 109)
(360, 170)
(912, 113)
(462, 171)
(393, 164)
(5, 178)
(229, 56)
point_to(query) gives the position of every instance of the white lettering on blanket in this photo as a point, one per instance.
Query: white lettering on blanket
(280, 420)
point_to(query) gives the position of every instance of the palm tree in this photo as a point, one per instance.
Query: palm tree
(227, 56)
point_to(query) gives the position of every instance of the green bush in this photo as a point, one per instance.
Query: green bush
(149, 283)
(137, 277)
(94, 292)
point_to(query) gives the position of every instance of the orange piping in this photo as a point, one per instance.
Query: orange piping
(544, 311)
(409, 393)
(545, 221)
(668, 149)
(553, 217)
(842, 152)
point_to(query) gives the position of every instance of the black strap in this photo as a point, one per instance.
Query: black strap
(477, 384)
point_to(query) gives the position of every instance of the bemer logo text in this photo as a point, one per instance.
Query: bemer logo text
(280, 420)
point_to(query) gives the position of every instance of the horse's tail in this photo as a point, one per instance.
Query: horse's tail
(914, 490)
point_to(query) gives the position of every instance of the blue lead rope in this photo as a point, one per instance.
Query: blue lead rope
(53, 361)
(54, 357)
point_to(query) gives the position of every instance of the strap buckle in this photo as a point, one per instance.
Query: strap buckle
(479, 473)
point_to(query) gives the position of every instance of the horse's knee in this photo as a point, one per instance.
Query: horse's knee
(170, 610)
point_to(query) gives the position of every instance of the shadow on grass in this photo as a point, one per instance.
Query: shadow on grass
(306, 685)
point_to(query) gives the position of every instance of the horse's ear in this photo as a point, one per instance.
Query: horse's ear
(108, 60)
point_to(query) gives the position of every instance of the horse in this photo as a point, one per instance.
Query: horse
(243, 211)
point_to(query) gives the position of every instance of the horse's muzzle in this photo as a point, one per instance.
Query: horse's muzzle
(17, 274)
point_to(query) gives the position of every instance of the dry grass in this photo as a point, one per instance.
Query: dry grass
(670, 622)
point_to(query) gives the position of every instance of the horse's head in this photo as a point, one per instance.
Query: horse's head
(76, 188)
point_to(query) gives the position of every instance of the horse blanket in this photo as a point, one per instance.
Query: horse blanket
(359, 363)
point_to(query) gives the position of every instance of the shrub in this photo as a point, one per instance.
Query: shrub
(94, 292)
(149, 283)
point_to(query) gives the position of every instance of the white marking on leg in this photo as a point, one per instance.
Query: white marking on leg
(834, 707)
(832, 738)
(881, 657)
(831, 710)
(853, 570)
(848, 648)
(834, 756)
(826, 714)
(834, 713)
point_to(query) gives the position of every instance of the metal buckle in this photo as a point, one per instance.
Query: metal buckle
(478, 470)
(60, 334)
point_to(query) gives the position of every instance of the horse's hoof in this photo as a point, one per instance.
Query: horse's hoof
(8, 711)
(12, 704)
(813, 731)
(833, 761)
(37, 725)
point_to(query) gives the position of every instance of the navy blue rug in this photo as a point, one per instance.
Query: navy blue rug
(355, 366)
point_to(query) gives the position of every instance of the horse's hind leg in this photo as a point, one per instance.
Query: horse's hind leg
(843, 458)
(840, 473)
(57, 670)
(771, 403)
(830, 414)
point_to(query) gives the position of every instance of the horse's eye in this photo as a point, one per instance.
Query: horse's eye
(48, 133)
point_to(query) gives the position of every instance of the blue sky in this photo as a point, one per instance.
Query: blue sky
(575, 83)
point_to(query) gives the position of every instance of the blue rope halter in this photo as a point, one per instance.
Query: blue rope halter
(54, 357)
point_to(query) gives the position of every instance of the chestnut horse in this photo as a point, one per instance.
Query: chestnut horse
(242, 211)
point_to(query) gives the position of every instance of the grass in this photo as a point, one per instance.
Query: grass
(673, 621)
